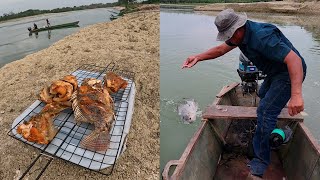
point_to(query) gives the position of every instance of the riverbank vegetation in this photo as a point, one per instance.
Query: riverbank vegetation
(32, 12)
(129, 4)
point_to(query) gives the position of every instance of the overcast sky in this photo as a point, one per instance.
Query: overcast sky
(15, 6)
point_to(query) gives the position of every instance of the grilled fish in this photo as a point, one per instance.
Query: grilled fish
(60, 90)
(113, 82)
(92, 104)
(40, 128)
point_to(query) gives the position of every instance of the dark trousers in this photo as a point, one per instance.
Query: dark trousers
(274, 94)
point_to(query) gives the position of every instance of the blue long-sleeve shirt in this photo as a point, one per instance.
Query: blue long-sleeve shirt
(266, 47)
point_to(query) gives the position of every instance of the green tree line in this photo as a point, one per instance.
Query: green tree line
(32, 12)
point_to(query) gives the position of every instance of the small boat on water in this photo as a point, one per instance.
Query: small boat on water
(113, 17)
(66, 25)
(217, 150)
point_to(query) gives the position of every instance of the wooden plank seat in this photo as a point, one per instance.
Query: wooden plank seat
(241, 112)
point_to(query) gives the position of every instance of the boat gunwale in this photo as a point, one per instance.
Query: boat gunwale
(185, 155)
(312, 140)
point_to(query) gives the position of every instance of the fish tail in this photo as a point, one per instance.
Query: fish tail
(96, 141)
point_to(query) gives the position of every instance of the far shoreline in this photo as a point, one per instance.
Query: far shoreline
(31, 12)
(285, 7)
(45, 14)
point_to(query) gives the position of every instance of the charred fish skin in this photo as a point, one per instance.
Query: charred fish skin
(113, 82)
(97, 141)
(60, 90)
(72, 80)
(40, 128)
(45, 95)
(86, 95)
(93, 104)
(77, 112)
(34, 130)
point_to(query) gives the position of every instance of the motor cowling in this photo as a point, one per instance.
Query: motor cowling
(249, 74)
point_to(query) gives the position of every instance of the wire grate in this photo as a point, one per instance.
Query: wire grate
(66, 143)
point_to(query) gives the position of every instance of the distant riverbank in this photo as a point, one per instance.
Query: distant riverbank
(267, 7)
(32, 12)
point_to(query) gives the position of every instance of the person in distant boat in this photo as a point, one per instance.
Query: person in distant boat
(35, 26)
(268, 49)
(48, 23)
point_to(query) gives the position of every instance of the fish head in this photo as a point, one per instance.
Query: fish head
(188, 111)
(188, 118)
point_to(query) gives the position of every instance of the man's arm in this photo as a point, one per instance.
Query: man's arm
(210, 54)
(294, 64)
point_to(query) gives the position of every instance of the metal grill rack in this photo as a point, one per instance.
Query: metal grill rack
(66, 143)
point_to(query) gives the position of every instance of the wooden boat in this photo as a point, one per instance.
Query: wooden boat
(208, 154)
(66, 25)
(113, 17)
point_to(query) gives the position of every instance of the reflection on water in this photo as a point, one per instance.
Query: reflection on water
(16, 42)
(36, 34)
(186, 33)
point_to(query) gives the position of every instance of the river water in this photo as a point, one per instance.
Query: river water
(15, 42)
(183, 33)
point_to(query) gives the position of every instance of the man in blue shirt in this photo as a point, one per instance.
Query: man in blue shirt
(273, 54)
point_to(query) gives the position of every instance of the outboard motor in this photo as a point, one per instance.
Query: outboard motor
(249, 74)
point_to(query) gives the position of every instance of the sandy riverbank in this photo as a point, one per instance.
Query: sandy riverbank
(286, 12)
(269, 7)
(310, 22)
(132, 43)
(262, 7)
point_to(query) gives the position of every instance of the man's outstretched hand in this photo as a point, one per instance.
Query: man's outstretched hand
(296, 105)
(191, 61)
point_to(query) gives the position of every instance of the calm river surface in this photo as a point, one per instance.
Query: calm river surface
(184, 33)
(15, 42)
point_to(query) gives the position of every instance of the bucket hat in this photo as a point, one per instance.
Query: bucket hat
(227, 22)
